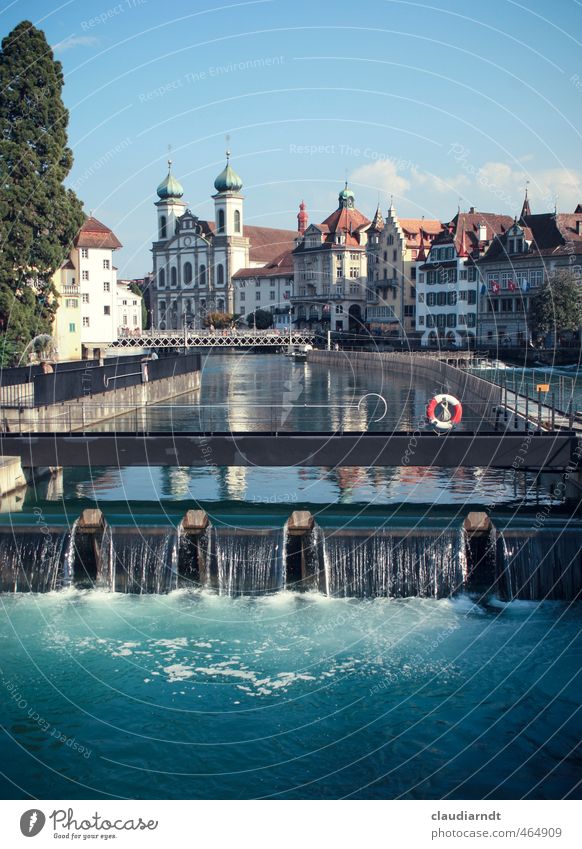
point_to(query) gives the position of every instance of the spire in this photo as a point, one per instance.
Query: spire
(377, 221)
(525, 209)
(228, 180)
(302, 218)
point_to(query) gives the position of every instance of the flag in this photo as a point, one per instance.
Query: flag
(285, 296)
(524, 285)
(494, 287)
(483, 289)
(511, 286)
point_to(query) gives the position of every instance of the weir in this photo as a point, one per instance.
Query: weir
(475, 556)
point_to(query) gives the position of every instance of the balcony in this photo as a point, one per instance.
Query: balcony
(70, 289)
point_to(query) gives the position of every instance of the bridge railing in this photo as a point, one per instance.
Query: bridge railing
(370, 414)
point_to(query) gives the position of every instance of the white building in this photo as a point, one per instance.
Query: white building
(129, 310)
(269, 288)
(330, 267)
(86, 320)
(195, 260)
(447, 283)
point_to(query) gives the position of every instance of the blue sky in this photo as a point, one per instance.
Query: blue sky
(439, 107)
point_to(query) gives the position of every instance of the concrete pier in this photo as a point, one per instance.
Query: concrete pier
(12, 476)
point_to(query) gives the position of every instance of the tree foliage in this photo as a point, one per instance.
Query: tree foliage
(218, 319)
(263, 319)
(39, 218)
(557, 307)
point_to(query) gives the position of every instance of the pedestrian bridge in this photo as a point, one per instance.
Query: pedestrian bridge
(214, 339)
(510, 450)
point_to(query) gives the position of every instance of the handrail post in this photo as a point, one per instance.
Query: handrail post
(571, 414)
(539, 410)
(526, 407)
(553, 410)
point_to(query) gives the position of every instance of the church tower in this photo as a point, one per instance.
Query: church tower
(170, 206)
(231, 247)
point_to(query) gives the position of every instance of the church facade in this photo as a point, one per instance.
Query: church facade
(195, 260)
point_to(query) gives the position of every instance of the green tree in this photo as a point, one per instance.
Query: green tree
(39, 218)
(263, 318)
(557, 307)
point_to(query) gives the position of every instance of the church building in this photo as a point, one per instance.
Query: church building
(195, 260)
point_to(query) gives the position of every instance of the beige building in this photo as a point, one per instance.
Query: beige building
(67, 323)
(395, 246)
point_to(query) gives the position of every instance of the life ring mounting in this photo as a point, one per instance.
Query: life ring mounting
(444, 412)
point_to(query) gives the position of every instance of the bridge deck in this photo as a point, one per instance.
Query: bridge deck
(505, 451)
(215, 339)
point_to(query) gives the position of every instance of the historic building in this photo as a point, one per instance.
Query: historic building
(87, 286)
(395, 246)
(515, 266)
(330, 265)
(267, 288)
(447, 283)
(195, 260)
(129, 310)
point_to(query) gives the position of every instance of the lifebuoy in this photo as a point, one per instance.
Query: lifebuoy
(452, 409)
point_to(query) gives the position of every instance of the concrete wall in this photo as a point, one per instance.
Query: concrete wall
(82, 412)
(440, 376)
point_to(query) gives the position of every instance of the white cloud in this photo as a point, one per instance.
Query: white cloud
(381, 176)
(75, 41)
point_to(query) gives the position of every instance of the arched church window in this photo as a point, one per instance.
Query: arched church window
(220, 305)
(174, 276)
(237, 221)
(187, 272)
(221, 220)
(220, 275)
(161, 278)
(163, 228)
(203, 275)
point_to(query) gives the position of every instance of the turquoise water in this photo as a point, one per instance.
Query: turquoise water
(288, 696)
(196, 695)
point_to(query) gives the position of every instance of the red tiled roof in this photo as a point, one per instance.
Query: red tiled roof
(549, 234)
(348, 221)
(266, 243)
(282, 266)
(94, 234)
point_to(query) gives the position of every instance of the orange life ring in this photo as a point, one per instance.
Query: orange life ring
(448, 401)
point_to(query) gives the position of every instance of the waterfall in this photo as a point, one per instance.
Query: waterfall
(32, 562)
(105, 564)
(246, 562)
(139, 562)
(542, 565)
(386, 564)
(69, 558)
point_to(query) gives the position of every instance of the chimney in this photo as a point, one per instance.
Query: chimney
(472, 210)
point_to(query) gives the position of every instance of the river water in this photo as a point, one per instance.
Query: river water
(198, 694)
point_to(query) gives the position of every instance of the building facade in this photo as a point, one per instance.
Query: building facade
(129, 310)
(395, 246)
(517, 263)
(447, 284)
(195, 260)
(269, 288)
(87, 286)
(330, 269)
